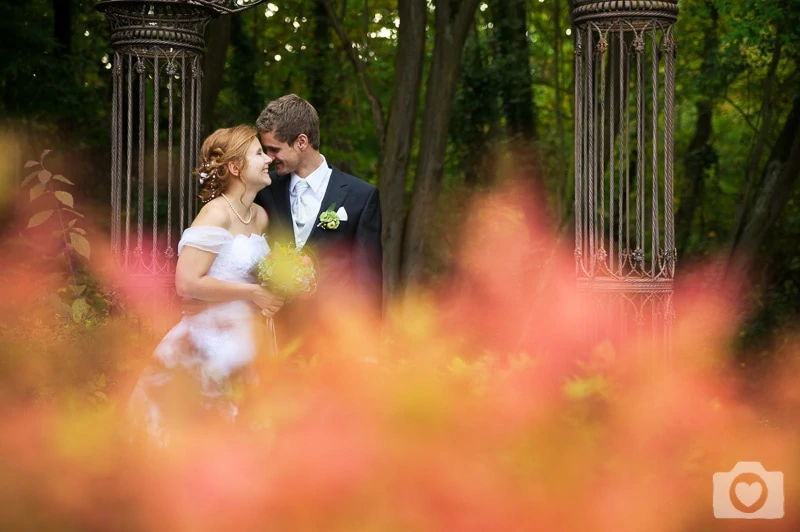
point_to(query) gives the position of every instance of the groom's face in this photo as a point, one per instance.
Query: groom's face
(285, 156)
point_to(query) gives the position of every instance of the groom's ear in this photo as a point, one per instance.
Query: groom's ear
(301, 141)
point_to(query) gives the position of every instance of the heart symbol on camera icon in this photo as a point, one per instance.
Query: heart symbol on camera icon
(748, 494)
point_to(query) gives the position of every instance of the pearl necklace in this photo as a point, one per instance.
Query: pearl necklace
(245, 222)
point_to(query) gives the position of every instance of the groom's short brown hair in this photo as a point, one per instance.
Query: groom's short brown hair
(288, 117)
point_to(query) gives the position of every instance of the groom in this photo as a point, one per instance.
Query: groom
(304, 186)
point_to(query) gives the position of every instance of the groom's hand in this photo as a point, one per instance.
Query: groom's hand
(268, 302)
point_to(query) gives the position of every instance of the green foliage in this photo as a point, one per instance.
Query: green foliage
(61, 93)
(67, 251)
(55, 323)
(273, 52)
(756, 25)
(751, 34)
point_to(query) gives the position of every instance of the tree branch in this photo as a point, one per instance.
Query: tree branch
(361, 73)
(741, 112)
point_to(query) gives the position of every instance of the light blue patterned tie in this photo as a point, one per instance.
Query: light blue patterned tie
(301, 212)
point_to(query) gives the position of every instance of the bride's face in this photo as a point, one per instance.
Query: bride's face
(256, 167)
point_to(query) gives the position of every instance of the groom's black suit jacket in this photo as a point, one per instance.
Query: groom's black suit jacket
(350, 257)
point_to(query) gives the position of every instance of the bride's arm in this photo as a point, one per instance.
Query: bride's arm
(192, 280)
(191, 273)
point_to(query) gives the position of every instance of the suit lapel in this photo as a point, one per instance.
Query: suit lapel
(335, 193)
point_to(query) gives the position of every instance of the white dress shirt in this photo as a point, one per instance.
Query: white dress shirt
(318, 183)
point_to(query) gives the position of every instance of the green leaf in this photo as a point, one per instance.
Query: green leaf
(55, 301)
(80, 309)
(71, 223)
(37, 191)
(59, 177)
(43, 155)
(29, 164)
(28, 178)
(582, 388)
(52, 277)
(78, 290)
(80, 244)
(39, 218)
(65, 198)
(61, 308)
(78, 229)
(44, 176)
(458, 366)
(76, 213)
(100, 396)
(100, 381)
(728, 188)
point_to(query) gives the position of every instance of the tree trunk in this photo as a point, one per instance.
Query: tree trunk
(453, 20)
(565, 191)
(62, 27)
(218, 35)
(750, 181)
(767, 106)
(516, 84)
(62, 34)
(399, 136)
(779, 177)
(245, 61)
(478, 111)
(700, 155)
(320, 59)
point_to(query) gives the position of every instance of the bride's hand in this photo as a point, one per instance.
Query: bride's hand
(269, 303)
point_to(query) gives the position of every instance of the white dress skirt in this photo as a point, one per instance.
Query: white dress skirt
(199, 367)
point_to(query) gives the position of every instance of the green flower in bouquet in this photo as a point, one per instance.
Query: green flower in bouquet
(288, 271)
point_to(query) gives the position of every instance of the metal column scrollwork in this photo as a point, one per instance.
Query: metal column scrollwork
(155, 125)
(624, 150)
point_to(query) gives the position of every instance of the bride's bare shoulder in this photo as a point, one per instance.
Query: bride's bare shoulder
(214, 214)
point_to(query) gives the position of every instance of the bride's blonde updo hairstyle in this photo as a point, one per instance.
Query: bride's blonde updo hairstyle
(226, 145)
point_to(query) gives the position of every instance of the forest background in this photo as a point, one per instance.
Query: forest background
(429, 99)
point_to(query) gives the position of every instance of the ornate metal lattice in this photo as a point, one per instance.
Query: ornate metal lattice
(624, 142)
(155, 124)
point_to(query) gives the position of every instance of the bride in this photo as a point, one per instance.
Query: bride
(199, 364)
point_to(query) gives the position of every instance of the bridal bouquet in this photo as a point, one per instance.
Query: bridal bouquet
(287, 271)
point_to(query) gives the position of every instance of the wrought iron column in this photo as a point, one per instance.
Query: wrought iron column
(624, 149)
(155, 125)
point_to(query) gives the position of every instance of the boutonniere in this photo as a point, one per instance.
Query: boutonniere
(330, 219)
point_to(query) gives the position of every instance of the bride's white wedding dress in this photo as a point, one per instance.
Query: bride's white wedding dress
(205, 357)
